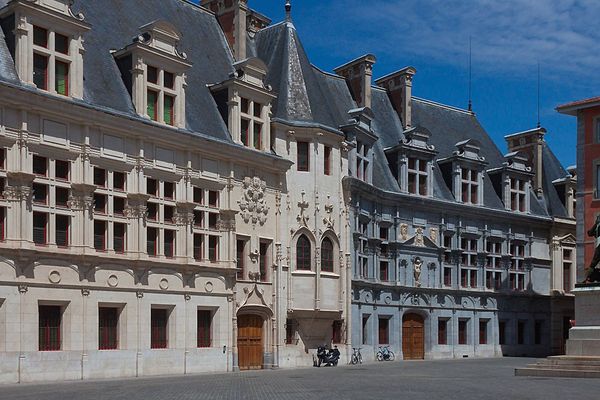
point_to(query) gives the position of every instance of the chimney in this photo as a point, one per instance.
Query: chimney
(358, 74)
(232, 16)
(399, 88)
(530, 142)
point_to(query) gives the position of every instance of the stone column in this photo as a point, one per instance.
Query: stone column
(18, 192)
(136, 212)
(81, 201)
(184, 217)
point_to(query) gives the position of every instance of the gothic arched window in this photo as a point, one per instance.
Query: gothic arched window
(327, 255)
(303, 253)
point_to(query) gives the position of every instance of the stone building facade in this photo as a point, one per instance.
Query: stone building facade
(183, 191)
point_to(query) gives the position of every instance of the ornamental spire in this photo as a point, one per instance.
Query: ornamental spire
(288, 10)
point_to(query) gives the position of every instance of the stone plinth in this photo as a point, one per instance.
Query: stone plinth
(584, 338)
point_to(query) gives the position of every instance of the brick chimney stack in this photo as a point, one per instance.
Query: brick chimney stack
(359, 74)
(232, 16)
(399, 88)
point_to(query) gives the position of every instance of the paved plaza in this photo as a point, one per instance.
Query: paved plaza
(429, 380)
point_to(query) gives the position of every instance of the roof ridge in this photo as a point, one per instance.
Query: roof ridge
(446, 106)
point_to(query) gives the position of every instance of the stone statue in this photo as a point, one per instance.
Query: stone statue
(418, 263)
(593, 272)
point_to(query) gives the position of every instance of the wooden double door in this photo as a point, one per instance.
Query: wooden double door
(413, 337)
(250, 342)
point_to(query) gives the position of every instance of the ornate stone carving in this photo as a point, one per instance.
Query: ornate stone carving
(18, 186)
(302, 218)
(136, 206)
(253, 204)
(433, 234)
(419, 240)
(254, 276)
(328, 220)
(184, 214)
(81, 197)
(139, 294)
(403, 231)
(23, 289)
(417, 266)
(85, 292)
(226, 221)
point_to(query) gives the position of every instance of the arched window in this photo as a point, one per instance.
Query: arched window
(303, 253)
(327, 255)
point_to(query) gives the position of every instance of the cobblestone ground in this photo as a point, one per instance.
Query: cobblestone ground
(414, 380)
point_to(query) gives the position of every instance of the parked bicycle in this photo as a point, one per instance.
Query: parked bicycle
(385, 354)
(356, 356)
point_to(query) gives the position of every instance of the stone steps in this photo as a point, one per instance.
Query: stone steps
(563, 366)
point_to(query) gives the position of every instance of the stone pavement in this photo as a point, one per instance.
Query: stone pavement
(415, 380)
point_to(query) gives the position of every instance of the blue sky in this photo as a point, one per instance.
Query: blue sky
(509, 38)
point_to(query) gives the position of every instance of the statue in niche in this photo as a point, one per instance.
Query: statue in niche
(417, 265)
(593, 271)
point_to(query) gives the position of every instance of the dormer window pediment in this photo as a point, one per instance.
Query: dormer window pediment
(418, 138)
(45, 39)
(153, 70)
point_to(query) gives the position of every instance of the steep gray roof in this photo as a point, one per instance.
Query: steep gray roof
(115, 23)
(552, 170)
(305, 94)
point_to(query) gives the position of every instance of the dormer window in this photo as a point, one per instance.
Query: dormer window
(517, 195)
(362, 161)
(153, 70)
(161, 95)
(251, 123)
(469, 185)
(411, 162)
(462, 172)
(512, 182)
(418, 176)
(49, 59)
(244, 102)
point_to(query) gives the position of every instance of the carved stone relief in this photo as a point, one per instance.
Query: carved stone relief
(253, 205)
(417, 266)
(404, 231)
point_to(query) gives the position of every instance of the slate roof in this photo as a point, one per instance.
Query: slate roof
(114, 24)
(307, 96)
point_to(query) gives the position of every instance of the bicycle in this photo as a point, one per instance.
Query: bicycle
(385, 354)
(356, 356)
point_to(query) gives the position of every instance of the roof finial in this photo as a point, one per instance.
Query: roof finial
(288, 10)
(538, 96)
(470, 71)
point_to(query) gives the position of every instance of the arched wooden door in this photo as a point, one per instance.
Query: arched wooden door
(250, 342)
(413, 337)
